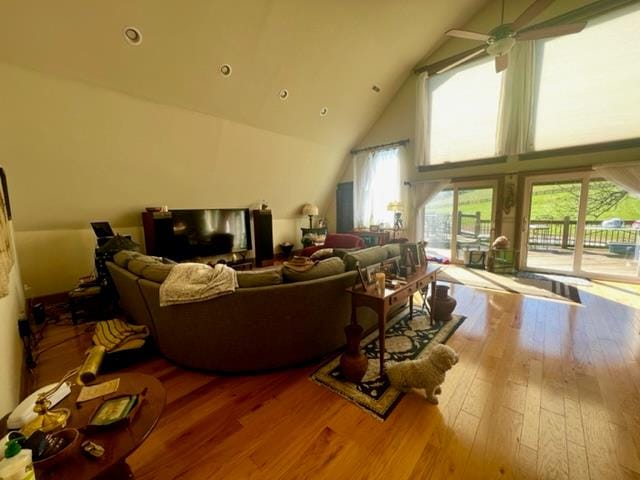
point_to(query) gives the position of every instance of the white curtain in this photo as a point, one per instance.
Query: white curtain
(421, 193)
(626, 176)
(514, 134)
(376, 183)
(421, 149)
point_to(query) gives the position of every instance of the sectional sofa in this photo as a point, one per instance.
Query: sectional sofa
(277, 317)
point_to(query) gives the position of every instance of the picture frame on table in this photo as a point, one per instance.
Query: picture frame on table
(391, 267)
(361, 277)
(410, 254)
(370, 273)
(422, 252)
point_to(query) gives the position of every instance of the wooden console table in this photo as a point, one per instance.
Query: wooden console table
(381, 304)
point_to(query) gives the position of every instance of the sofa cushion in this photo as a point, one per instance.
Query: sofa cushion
(259, 278)
(324, 268)
(157, 272)
(393, 250)
(137, 265)
(123, 257)
(366, 257)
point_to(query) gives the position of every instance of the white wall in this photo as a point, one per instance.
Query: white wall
(76, 153)
(11, 307)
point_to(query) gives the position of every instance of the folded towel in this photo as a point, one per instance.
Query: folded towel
(117, 335)
(197, 282)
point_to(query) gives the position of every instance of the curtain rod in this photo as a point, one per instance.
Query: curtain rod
(378, 147)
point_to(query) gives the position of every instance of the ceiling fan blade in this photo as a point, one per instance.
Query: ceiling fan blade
(502, 62)
(535, 9)
(468, 35)
(461, 60)
(554, 31)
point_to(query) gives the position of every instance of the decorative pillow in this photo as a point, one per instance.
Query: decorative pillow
(123, 257)
(259, 278)
(156, 272)
(322, 254)
(324, 268)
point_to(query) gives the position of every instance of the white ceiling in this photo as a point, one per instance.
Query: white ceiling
(326, 53)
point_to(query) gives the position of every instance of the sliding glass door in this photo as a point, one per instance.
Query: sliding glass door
(580, 224)
(460, 219)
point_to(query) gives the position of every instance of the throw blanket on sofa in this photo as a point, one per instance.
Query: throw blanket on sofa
(197, 282)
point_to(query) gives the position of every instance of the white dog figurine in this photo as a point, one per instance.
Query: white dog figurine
(427, 372)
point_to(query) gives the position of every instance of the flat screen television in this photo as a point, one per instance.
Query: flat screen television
(208, 232)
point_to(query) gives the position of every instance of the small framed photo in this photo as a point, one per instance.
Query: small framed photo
(409, 253)
(422, 252)
(361, 277)
(391, 267)
(374, 228)
(370, 273)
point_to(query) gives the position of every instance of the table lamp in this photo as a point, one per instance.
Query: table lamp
(49, 420)
(396, 208)
(310, 210)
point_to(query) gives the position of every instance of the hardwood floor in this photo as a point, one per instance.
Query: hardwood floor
(543, 389)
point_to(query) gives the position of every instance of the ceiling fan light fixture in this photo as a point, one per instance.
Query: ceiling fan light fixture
(501, 46)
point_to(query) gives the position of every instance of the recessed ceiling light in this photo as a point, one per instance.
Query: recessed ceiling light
(375, 88)
(324, 111)
(284, 94)
(225, 70)
(133, 35)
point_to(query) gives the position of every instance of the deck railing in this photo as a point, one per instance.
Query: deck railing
(562, 233)
(542, 232)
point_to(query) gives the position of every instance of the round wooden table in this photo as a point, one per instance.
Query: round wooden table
(118, 442)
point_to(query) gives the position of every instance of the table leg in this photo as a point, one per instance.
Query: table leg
(410, 307)
(382, 319)
(433, 301)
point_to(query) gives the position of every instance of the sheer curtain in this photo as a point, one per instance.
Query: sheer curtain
(627, 176)
(376, 183)
(421, 193)
(514, 133)
(421, 149)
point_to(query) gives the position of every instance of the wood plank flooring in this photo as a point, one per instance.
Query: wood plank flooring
(543, 390)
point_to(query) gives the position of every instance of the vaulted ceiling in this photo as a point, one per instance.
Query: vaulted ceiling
(327, 53)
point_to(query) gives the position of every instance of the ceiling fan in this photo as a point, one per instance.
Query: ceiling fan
(500, 40)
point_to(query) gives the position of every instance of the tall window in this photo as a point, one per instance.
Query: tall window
(463, 113)
(376, 184)
(588, 86)
(586, 90)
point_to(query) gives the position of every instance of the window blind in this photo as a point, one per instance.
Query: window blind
(463, 113)
(588, 85)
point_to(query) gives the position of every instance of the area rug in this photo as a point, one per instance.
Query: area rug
(555, 287)
(406, 339)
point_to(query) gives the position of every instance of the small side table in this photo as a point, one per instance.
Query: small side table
(89, 302)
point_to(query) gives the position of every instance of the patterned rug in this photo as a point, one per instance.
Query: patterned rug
(556, 287)
(406, 339)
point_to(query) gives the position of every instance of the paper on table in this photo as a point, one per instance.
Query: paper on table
(99, 390)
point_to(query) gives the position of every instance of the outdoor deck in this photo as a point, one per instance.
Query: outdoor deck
(598, 261)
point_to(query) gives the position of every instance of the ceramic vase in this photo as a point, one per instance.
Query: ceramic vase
(352, 362)
(445, 304)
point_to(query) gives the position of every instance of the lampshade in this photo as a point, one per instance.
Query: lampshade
(394, 206)
(309, 209)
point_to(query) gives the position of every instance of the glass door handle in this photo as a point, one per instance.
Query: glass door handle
(525, 224)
